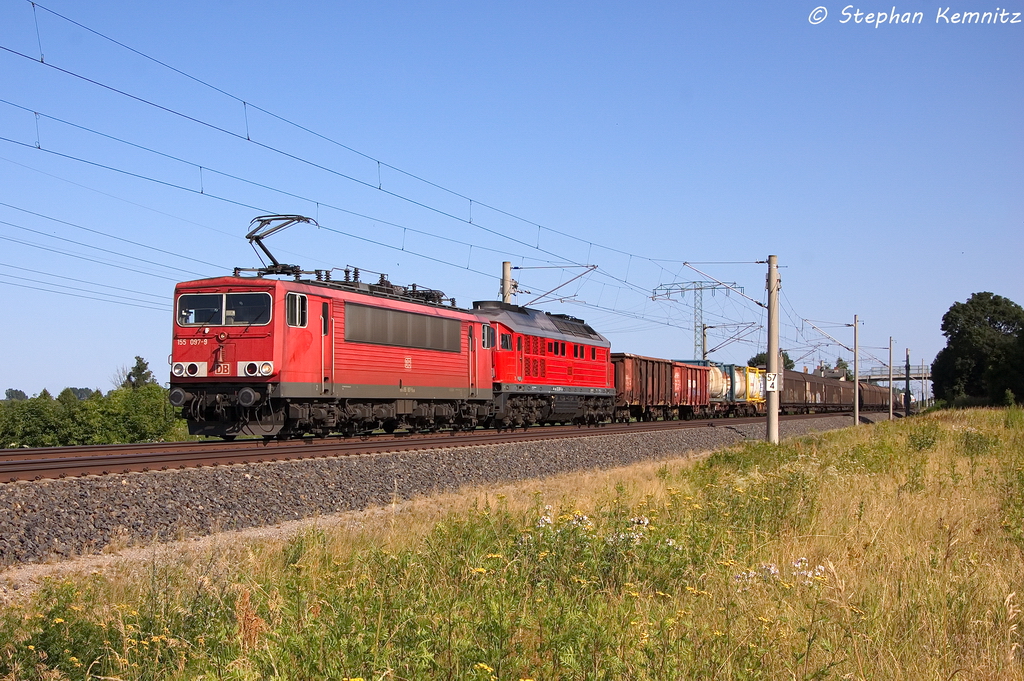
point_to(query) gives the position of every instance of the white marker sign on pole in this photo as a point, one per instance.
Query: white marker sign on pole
(771, 383)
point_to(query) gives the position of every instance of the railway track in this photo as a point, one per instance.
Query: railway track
(60, 462)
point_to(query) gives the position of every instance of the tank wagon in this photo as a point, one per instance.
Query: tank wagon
(733, 389)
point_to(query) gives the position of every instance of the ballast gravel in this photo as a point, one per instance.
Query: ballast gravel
(56, 519)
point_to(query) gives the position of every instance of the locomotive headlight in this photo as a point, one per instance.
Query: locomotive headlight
(192, 369)
(251, 369)
(178, 369)
(267, 368)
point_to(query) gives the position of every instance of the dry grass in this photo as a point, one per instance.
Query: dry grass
(891, 551)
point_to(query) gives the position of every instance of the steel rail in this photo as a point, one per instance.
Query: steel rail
(60, 462)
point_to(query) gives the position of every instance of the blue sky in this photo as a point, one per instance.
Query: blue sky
(883, 165)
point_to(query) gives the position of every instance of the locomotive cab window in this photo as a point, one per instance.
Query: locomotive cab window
(224, 309)
(296, 309)
(487, 336)
(593, 353)
(197, 309)
(506, 341)
(244, 309)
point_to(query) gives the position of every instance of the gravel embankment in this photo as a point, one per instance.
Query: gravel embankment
(62, 518)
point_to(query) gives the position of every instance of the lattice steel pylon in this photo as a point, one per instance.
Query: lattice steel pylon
(697, 287)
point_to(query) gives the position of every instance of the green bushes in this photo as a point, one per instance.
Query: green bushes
(127, 414)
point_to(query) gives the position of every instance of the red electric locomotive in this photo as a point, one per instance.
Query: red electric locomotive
(264, 357)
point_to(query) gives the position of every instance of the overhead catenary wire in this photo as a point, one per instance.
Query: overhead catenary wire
(222, 173)
(201, 191)
(239, 203)
(112, 236)
(97, 248)
(78, 295)
(246, 104)
(158, 296)
(332, 171)
(603, 272)
(728, 310)
(79, 256)
(61, 287)
(118, 198)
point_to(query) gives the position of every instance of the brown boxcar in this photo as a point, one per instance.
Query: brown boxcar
(649, 389)
(690, 389)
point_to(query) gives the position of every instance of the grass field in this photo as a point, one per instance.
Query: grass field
(891, 551)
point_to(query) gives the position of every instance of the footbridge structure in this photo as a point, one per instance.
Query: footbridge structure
(921, 372)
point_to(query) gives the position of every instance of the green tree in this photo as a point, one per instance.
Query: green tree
(842, 365)
(139, 375)
(34, 422)
(15, 394)
(137, 414)
(81, 393)
(761, 360)
(984, 348)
